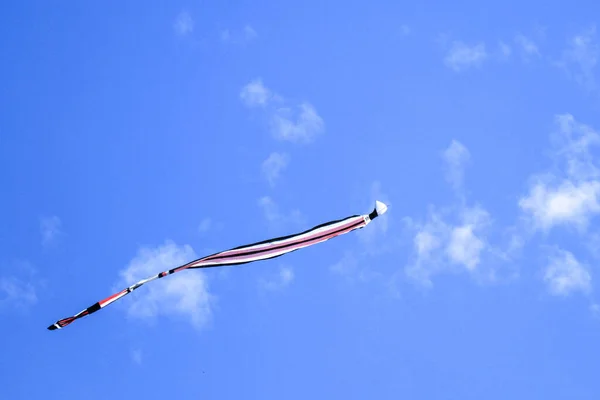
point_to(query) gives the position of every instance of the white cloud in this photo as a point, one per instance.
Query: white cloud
(573, 142)
(453, 239)
(426, 242)
(456, 157)
(246, 35)
(274, 165)
(249, 32)
(270, 209)
(205, 225)
(564, 274)
(275, 217)
(527, 45)
(299, 124)
(505, 49)
(567, 195)
(566, 203)
(464, 246)
(580, 58)
(352, 268)
(462, 56)
(442, 246)
(256, 94)
(184, 294)
(136, 356)
(347, 266)
(15, 292)
(570, 196)
(592, 244)
(51, 229)
(283, 279)
(184, 24)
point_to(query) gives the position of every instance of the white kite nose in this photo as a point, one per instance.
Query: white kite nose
(380, 207)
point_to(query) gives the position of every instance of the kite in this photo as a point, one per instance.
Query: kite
(259, 251)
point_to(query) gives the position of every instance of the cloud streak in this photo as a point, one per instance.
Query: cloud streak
(283, 279)
(273, 166)
(565, 275)
(580, 58)
(571, 196)
(462, 56)
(297, 123)
(15, 292)
(528, 46)
(50, 229)
(275, 218)
(246, 35)
(456, 157)
(184, 24)
(453, 239)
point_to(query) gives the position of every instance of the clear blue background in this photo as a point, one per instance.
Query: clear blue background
(133, 134)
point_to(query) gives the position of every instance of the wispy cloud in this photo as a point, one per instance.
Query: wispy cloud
(184, 294)
(184, 24)
(595, 309)
(50, 229)
(245, 35)
(15, 292)
(298, 123)
(256, 94)
(283, 279)
(456, 157)
(569, 196)
(18, 289)
(454, 238)
(353, 268)
(205, 225)
(347, 266)
(275, 218)
(464, 245)
(564, 203)
(441, 246)
(580, 58)
(136, 356)
(505, 49)
(462, 56)
(527, 45)
(405, 30)
(274, 165)
(564, 274)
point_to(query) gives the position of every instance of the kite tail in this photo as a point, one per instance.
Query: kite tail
(103, 303)
(246, 254)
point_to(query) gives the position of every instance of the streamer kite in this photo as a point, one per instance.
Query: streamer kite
(259, 251)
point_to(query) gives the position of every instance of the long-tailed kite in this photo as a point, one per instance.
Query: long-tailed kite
(248, 253)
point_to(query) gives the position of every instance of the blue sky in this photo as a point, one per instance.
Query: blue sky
(135, 137)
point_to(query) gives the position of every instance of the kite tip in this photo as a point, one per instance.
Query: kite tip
(380, 207)
(52, 327)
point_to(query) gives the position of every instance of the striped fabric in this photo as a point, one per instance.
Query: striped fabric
(244, 254)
